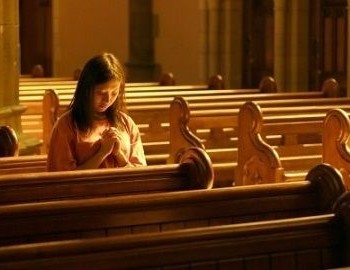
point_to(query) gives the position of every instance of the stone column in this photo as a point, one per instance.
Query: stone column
(348, 55)
(9, 60)
(141, 65)
(298, 68)
(9, 49)
(280, 44)
(221, 40)
(231, 43)
(209, 38)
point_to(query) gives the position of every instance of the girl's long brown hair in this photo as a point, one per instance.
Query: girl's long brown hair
(98, 70)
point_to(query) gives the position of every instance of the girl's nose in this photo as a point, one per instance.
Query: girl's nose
(106, 98)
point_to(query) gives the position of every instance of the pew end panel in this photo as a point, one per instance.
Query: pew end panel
(179, 134)
(216, 82)
(335, 150)
(50, 107)
(10, 116)
(253, 152)
(207, 129)
(9, 142)
(330, 88)
(268, 85)
(167, 78)
(342, 208)
(329, 183)
(201, 170)
(299, 149)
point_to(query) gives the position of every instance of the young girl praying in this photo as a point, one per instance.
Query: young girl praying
(96, 132)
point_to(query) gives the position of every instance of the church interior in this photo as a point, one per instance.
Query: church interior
(238, 109)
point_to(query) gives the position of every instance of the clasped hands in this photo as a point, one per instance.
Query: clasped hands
(110, 144)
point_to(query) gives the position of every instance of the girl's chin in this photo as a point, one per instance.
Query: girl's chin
(101, 109)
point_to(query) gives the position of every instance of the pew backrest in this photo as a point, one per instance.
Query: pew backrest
(164, 211)
(314, 242)
(193, 172)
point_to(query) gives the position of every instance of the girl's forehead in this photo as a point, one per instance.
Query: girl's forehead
(112, 84)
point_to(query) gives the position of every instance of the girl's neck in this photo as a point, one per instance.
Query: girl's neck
(99, 116)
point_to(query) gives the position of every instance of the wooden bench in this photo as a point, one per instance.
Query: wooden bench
(23, 164)
(12, 132)
(308, 242)
(53, 105)
(219, 131)
(194, 171)
(163, 211)
(156, 138)
(33, 99)
(33, 91)
(315, 242)
(259, 161)
(165, 79)
(150, 109)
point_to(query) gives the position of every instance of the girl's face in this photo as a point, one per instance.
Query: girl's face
(104, 95)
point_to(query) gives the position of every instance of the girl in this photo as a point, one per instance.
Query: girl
(96, 132)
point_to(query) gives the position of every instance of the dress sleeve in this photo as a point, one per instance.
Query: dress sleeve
(137, 155)
(60, 156)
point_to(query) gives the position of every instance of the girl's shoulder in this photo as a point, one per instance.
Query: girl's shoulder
(127, 121)
(65, 120)
(127, 118)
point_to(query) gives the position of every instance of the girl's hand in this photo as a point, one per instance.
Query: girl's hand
(122, 160)
(109, 139)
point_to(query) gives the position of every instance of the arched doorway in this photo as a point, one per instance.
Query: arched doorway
(35, 35)
(328, 42)
(258, 41)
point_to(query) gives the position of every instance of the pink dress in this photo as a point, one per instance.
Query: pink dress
(69, 148)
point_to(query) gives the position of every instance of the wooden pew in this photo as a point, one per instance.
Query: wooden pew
(259, 161)
(194, 171)
(310, 242)
(9, 142)
(315, 242)
(53, 105)
(34, 80)
(34, 90)
(155, 108)
(10, 120)
(23, 164)
(33, 99)
(144, 117)
(156, 134)
(224, 132)
(163, 211)
(335, 138)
